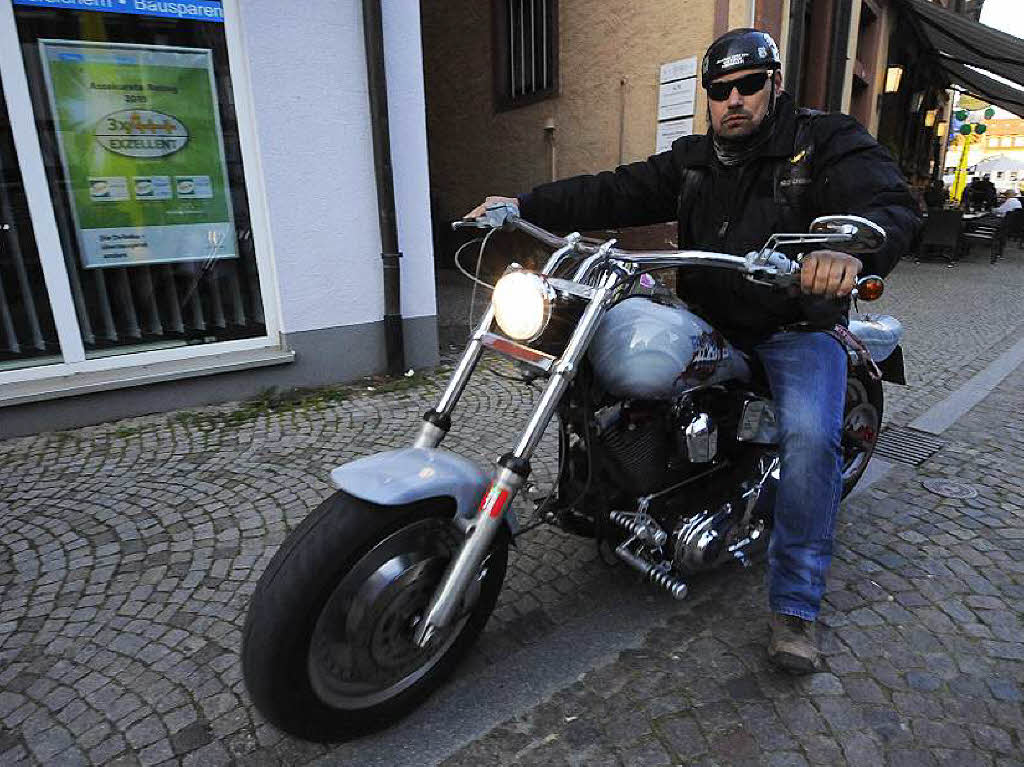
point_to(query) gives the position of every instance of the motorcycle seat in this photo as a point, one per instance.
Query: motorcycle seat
(880, 333)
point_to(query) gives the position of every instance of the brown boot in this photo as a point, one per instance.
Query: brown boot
(793, 645)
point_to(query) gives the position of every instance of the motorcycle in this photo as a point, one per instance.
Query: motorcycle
(668, 455)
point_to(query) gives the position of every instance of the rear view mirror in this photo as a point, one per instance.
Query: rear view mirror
(855, 234)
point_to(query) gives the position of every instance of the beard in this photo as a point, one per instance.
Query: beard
(740, 136)
(738, 124)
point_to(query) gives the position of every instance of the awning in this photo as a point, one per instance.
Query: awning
(999, 162)
(958, 43)
(993, 91)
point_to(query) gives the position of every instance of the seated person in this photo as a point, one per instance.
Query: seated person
(1010, 202)
(987, 192)
(936, 194)
(972, 195)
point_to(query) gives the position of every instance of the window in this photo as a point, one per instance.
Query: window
(28, 336)
(993, 142)
(526, 51)
(141, 146)
(1018, 141)
(999, 174)
(1007, 141)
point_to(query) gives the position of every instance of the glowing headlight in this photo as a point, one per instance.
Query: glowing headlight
(522, 305)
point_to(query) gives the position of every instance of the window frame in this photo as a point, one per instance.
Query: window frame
(503, 100)
(51, 249)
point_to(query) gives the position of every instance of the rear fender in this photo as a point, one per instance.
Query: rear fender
(400, 477)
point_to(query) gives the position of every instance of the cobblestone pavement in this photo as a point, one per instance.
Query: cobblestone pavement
(922, 629)
(128, 552)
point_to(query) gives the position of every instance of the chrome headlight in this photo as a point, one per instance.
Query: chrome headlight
(522, 305)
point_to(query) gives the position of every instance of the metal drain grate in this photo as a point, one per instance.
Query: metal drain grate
(906, 445)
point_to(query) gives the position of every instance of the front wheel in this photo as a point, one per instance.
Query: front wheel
(327, 650)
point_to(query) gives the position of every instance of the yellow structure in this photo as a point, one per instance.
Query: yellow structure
(961, 169)
(1003, 138)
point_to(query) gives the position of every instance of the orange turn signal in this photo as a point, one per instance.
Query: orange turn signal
(870, 288)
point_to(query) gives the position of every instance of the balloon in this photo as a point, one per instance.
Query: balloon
(990, 113)
(979, 128)
(961, 114)
(965, 130)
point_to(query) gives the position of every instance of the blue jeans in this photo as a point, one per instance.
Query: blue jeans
(807, 375)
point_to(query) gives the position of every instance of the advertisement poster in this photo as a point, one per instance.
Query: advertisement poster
(139, 136)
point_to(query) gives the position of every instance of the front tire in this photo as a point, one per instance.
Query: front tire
(327, 651)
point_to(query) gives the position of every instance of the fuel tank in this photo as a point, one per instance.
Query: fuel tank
(649, 350)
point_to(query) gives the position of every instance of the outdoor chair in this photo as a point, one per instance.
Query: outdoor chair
(1015, 226)
(991, 231)
(942, 231)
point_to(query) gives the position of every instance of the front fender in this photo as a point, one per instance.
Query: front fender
(398, 477)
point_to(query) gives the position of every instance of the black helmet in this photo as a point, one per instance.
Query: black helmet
(739, 49)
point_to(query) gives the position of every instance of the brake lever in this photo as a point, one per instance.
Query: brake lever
(771, 268)
(469, 223)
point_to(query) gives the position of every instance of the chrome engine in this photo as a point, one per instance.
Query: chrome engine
(734, 532)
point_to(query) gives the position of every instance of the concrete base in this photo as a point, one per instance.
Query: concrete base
(322, 357)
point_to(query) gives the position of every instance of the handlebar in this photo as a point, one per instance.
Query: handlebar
(767, 266)
(598, 254)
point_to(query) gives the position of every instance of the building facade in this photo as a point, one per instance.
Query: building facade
(188, 208)
(500, 123)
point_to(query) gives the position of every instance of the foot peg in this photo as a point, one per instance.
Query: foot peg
(641, 526)
(658, 575)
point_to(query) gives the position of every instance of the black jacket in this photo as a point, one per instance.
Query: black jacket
(814, 164)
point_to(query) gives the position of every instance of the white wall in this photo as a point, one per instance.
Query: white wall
(312, 118)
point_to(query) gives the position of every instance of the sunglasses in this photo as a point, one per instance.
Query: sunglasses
(747, 86)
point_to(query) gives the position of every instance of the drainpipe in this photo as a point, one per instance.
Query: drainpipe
(840, 43)
(373, 34)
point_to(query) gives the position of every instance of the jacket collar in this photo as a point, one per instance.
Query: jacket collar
(701, 153)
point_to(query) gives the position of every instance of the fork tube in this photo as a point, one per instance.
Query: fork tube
(437, 421)
(509, 478)
(564, 371)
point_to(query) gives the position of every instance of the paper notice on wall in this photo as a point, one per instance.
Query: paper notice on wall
(679, 70)
(677, 96)
(670, 130)
(139, 134)
(676, 99)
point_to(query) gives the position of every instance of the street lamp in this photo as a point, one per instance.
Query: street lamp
(893, 75)
(929, 117)
(940, 130)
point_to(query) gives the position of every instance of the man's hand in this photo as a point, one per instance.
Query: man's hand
(480, 209)
(828, 273)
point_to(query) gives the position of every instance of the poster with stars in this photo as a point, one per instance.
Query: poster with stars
(139, 134)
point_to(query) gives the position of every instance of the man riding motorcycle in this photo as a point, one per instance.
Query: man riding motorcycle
(764, 166)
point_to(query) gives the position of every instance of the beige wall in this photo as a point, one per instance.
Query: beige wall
(881, 60)
(476, 151)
